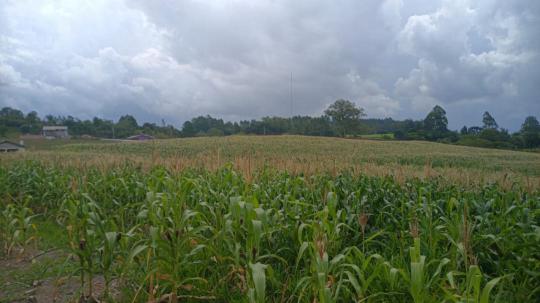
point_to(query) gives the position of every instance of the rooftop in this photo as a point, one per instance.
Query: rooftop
(140, 137)
(12, 143)
(55, 127)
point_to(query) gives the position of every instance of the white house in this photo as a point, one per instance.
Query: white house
(55, 132)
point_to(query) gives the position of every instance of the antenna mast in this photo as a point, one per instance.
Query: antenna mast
(290, 96)
(291, 99)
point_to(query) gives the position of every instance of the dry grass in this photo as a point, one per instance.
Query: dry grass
(297, 154)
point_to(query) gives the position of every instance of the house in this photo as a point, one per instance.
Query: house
(55, 132)
(8, 146)
(141, 137)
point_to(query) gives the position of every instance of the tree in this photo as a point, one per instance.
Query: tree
(494, 135)
(436, 123)
(127, 121)
(345, 116)
(11, 117)
(215, 132)
(51, 120)
(474, 130)
(464, 131)
(530, 131)
(436, 120)
(102, 128)
(126, 126)
(489, 121)
(3, 131)
(33, 123)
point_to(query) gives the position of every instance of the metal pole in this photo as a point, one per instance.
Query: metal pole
(291, 100)
(290, 95)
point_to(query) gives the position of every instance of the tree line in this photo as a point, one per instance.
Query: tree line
(14, 122)
(342, 119)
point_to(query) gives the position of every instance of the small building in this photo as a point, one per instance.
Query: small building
(8, 146)
(141, 137)
(55, 132)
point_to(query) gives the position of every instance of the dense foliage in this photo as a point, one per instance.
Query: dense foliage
(282, 238)
(342, 118)
(345, 116)
(13, 121)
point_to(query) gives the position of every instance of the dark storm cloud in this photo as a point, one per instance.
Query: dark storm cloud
(233, 59)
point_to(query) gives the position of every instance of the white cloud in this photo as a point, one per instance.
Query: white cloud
(233, 59)
(370, 96)
(469, 52)
(9, 76)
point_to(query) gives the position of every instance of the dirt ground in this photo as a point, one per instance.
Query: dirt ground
(34, 276)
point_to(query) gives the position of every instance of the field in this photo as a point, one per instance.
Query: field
(387, 136)
(297, 154)
(269, 219)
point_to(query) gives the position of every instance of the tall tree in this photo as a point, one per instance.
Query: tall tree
(489, 121)
(11, 117)
(530, 131)
(188, 130)
(436, 120)
(345, 116)
(436, 124)
(126, 126)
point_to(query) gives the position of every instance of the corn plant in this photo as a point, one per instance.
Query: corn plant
(257, 290)
(84, 241)
(196, 235)
(17, 229)
(470, 290)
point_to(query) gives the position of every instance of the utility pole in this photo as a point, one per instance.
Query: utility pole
(290, 95)
(291, 101)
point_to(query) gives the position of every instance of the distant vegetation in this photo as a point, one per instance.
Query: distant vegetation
(300, 154)
(342, 119)
(14, 122)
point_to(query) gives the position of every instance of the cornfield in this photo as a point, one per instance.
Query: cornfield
(459, 165)
(198, 235)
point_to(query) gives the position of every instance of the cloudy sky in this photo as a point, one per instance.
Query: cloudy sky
(233, 59)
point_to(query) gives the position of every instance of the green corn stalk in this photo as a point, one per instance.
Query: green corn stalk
(472, 291)
(17, 228)
(199, 235)
(257, 292)
(107, 254)
(416, 281)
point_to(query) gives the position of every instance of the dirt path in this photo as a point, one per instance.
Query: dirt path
(43, 276)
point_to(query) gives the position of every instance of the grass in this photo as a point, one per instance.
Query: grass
(387, 136)
(39, 144)
(18, 279)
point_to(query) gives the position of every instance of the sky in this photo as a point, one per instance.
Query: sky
(233, 59)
